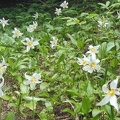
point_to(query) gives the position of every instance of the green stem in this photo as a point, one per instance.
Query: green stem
(112, 113)
(19, 103)
(33, 112)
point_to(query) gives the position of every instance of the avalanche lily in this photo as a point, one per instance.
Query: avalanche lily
(2, 67)
(32, 80)
(36, 15)
(64, 4)
(16, 33)
(30, 28)
(93, 49)
(83, 61)
(53, 42)
(110, 94)
(58, 11)
(1, 84)
(35, 24)
(30, 43)
(92, 65)
(4, 22)
(118, 13)
(102, 23)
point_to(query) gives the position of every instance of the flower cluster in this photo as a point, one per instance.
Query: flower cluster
(58, 11)
(90, 62)
(32, 27)
(110, 94)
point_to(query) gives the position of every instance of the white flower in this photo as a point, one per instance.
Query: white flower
(36, 15)
(53, 42)
(32, 27)
(2, 67)
(32, 80)
(64, 4)
(35, 24)
(58, 11)
(83, 61)
(30, 43)
(16, 33)
(3, 22)
(93, 49)
(102, 23)
(1, 84)
(118, 13)
(110, 94)
(92, 65)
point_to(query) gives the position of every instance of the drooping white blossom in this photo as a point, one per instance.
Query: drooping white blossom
(83, 61)
(3, 22)
(1, 85)
(30, 43)
(118, 13)
(53, 42)
(32, 27)
(33, 80)
(64, 4)
(36, 15)
(58, 11)
(103, 23)
(93, 65)
(16, 33)
(110, 94)
(2, 67)
(93, 49)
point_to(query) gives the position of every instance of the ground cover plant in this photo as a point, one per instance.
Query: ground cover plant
(62, 63)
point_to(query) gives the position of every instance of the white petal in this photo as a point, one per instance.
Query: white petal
(35, 43)
(37, 76)
(32, 86)
(104, 101)
(104, 88)
(97, 67)
(113, 84)
(27, 49)
(28, 77)
(2, 83)
(88, 68)
(3, 61)
(38, 81)
(26, 82)
(113, 102)
(117, 93)
(1, 93)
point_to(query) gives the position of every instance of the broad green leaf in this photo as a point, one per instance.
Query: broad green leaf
(31, 105)
(110, 45)
(72, 39)
(86, 104)
(95, 112)
(24, 89)
(44, 85)
(89, 89)
(61, 58)
(10, 116)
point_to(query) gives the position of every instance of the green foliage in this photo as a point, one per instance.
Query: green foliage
(64, 81)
